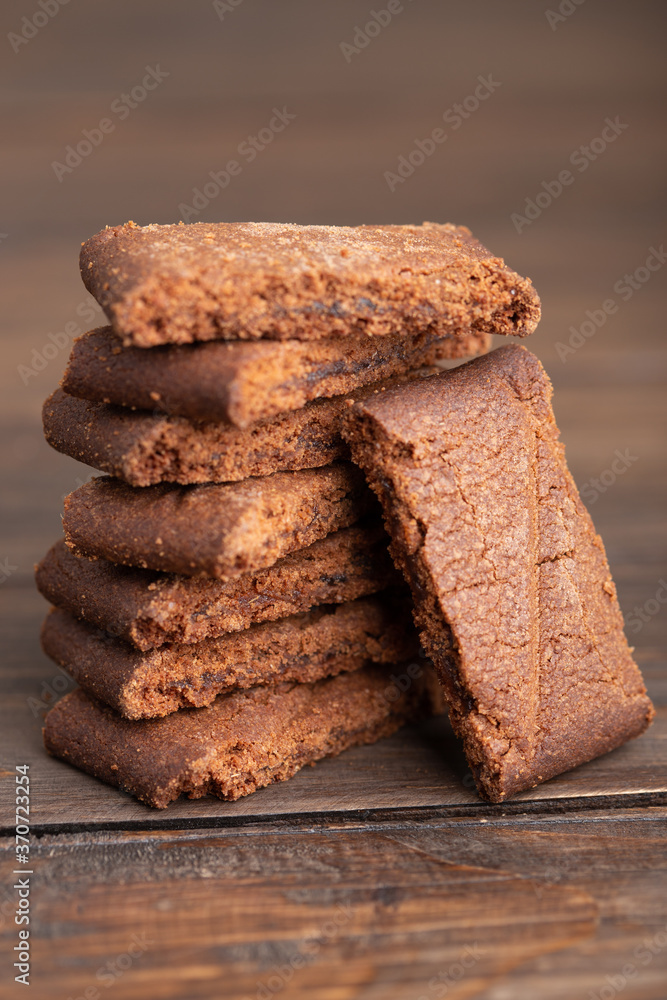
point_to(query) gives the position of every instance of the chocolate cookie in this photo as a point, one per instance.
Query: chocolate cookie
(513, 596)
(246, 281)
(147, 448)
(213, 530)
(148, 609)
(240, 743)
(318, 643)
(241, 383)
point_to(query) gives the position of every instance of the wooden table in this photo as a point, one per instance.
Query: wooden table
(379, 874)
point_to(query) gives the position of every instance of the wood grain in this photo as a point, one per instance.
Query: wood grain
(563, 888)
(420, 767)
(533, 899)
(335, 904)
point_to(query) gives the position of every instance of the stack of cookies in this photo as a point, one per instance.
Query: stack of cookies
(224, 596)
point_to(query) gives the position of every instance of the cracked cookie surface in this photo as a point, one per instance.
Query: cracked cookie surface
(513, 595)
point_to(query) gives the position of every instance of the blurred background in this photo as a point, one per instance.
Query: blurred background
(522, 90)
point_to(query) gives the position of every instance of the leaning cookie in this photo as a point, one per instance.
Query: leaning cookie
(242, 742)
(513, 596)
(177, 284)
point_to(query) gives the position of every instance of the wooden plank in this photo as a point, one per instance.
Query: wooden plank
(560, 904)
(327, 916)
(537, 906)
(421, 767)
(619, 858)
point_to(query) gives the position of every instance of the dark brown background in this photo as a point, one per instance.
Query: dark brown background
(353, 121)
(565, 884)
